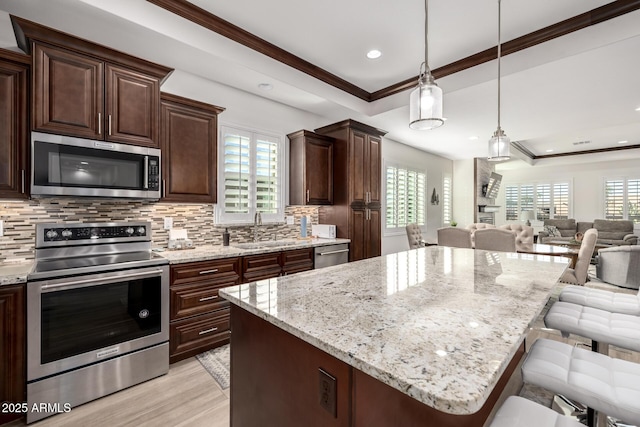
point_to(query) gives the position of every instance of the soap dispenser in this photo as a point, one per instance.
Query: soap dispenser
(225, 237)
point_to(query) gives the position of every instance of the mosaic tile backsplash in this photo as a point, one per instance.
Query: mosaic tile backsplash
(20, 218)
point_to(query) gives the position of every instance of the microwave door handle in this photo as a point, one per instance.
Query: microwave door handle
(145, 180)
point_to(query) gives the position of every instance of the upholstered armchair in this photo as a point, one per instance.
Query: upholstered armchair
(477, 226)
(619, 265)
(495, 239)
(524, 234)
(454, 237)
(414, 235)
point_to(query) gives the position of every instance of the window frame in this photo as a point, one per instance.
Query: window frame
(532, 193)
(400, 230)
(625, 197)
(222, 217)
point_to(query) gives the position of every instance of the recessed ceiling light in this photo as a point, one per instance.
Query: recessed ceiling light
(374, 54)
(622, 142)
(638, 109)
(265, 86)
(550, 150)
(473, 138)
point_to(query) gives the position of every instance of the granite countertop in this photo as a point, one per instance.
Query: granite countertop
(12, 273)
(209, 252)
(439, 324)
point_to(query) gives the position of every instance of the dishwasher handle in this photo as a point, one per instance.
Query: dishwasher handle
(333, 252)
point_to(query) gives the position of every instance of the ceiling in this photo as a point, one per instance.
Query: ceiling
(580, 87)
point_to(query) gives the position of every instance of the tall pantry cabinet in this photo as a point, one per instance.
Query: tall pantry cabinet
(356, 209)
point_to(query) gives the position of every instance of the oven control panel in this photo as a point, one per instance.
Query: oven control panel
(94, 232)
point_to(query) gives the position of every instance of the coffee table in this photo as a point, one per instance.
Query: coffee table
(551, 250)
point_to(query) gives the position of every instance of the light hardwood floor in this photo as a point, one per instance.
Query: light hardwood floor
(186, 396)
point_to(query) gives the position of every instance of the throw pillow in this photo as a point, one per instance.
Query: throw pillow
(552, 231)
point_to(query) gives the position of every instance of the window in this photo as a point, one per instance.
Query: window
(546, 200)
(447, 212)
(250, 177)
(622, 199)
(405, 191)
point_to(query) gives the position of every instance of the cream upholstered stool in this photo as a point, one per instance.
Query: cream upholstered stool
(520, 412)
(614, 302)
(608, 385)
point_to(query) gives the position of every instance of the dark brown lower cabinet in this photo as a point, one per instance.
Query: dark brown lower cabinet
(287, 386)
(260, 267)
(296, 260)
(12, 348)
(199, 317)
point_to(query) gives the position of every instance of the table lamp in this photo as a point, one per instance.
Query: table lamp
(527, 216)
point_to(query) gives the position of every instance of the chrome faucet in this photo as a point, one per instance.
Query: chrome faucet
(257, 220)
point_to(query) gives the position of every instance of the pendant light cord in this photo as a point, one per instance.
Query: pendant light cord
(426, 36)
(499, 54)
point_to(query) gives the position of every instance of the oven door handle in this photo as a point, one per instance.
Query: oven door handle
(89, 282)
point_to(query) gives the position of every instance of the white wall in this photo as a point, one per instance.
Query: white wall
(587, 182)
(435, 167)
(463, 192)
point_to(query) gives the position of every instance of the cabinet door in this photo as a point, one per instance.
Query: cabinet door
(12, 348)
(132, 108)
(188, 145)
(318, 171)
(68, 93)
(374, 171)
(13, 130)
(373, 244)
(358, 231)
(358, 167)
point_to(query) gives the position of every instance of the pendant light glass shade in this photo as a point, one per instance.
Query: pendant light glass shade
(425, 102)
(499, 144)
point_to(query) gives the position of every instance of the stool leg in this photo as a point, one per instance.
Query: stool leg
(591, 417)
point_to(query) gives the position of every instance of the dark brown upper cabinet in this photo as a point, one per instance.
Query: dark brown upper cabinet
(189, 150)
(310, 168)
(91, 91)
(14, 127)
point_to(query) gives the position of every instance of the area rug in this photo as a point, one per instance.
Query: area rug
(217, 362)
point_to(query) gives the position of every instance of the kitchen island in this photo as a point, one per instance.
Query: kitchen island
(422, 337)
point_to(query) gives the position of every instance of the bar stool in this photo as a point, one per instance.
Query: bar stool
(614, 302)
(519, 412)
(603, 383)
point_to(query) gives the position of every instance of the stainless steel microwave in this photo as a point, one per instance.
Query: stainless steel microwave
(69, 166)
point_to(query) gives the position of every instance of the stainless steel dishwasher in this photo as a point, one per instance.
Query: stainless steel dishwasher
(326, 256)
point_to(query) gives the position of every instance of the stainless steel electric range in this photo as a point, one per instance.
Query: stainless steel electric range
(97, 313)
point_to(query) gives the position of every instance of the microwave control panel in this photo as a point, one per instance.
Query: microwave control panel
(154, 173)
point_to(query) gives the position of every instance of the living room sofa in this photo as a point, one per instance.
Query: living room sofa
(610, 232)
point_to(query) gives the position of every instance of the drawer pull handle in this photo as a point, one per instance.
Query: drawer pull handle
(208, 298)
(215, 270)
(207, 331)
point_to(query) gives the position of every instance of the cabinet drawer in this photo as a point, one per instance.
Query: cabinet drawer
(194, 335)
(192, 299)
(225, 270)
(258, 267)
(297, 260)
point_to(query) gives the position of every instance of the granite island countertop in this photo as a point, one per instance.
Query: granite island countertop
(438, 324)
(209, 252)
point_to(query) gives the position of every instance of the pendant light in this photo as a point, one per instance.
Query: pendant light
(425, 102)
(499, 144)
